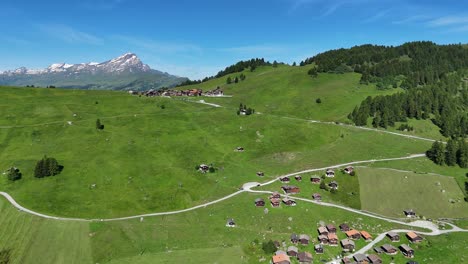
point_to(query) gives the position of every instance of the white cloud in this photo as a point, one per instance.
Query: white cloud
(449, 20)
(68, 34)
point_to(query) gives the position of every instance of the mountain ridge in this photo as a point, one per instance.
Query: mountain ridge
(125, 72)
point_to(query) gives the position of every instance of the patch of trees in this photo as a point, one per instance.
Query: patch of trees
(455, 153)
(46, 167)
(242, 65)
(269, 247)
(13, 174)
(445, 103)
(421, 62)
(100, 126)
(244, 110)
(236, 79)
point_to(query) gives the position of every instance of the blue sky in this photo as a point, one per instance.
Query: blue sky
(198, 38)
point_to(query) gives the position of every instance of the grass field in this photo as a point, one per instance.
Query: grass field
(35, 240)
(144, 160)
(389, 192)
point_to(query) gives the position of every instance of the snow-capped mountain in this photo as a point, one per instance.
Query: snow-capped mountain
(111, 74)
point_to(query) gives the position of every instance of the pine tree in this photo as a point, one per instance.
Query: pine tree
(228, 80)
(39, 169)
(462, 154)
(437, 153)
(236, 80)
(451, 152)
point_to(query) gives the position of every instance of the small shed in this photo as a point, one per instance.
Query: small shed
(409, 213)
(230, 223)
(318, 249)
(259, 202)
(294, 238)
(298, 177)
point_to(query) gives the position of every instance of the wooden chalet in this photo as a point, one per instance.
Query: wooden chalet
(331, 228)
(347, 260)
(275, 202)
(284, 179)
(349, 170)
(353, 234)
(298, 177)
(292, 251)
(304, 239)
(367, 237)
(361, 259)
(333, 185)
(389, 249)
(289, 202)
(275, 195)
(317, 196)
(330, 173)
(413, 237)
(305, 257)
(407, 251)
(409, 213)
(322, 230)
(323, 239)
(394, 237)
(315, 179)
(318, 249)
(332, 239)
(259, 202)
(281, 259)
(290, 189)
(378, 250)
(374, 259)
(344, 227)
(294, 238)
(348, 245)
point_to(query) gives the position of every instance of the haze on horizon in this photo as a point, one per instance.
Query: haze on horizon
(198, 38)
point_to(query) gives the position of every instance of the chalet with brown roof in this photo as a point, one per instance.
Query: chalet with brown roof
(374, 259)
(323, 239)
(298, 177)
(333, 185)
(330, 173)
(347, 245)
(322, 230)
(281, 259)
(275, 195)
(378, 250)
(332, 239)
(361, 258)
(353, 234)
(317, 196)
(331, 228)
(409, 213)
(259, 202)
(389, 249)
(289, 202)
(260, 173)
(275, 202)
(394, 237)
(349, 169)
(318, 249)
(347, 260)
(284, 179)
(413, 237)
(294, 238)
(304, 257)
(292, 251)
(304, 239)
(407, 251)
(315, 179)
(290, 189)
(367, 237)
(344, 227)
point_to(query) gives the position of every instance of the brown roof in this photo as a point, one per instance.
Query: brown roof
(281, 257)
(332, 236)
(322, 229)
(374, 258)
(412, 235)
(352, 232)
(366, 235)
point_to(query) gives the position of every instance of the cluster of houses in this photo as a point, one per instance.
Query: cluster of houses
(190, 92)
(275, 200)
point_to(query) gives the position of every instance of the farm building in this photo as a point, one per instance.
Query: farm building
(304, 257)
(344, 227)
(374, 259)
(367, 237)
(353, 234)
(290, 189)
(389, 249)
(348, 245)
(407, 251)
(259, 202)
(281, 259)
(289, 202)
(413, 237)
(394, 237)
(315, 179)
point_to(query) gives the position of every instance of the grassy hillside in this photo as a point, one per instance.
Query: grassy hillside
(389, 192)
(144, 160)
(290, 91)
